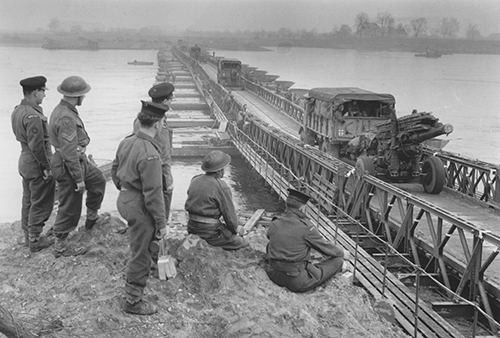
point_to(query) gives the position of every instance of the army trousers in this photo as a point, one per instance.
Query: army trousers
(70, 201)
(141, 230)
(216, 234)
(37, 203)
(303, 276)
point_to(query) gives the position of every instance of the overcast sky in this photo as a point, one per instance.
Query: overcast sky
(178, 15)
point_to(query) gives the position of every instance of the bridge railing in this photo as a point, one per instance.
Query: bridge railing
(386, 210)
(279, 102)
(476, 179)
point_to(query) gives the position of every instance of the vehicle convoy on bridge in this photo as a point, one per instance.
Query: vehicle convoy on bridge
(449, 238)
(361, 127)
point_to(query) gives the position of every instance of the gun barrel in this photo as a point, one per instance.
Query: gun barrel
(441, 130)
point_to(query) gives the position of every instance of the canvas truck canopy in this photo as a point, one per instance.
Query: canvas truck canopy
(339, 96)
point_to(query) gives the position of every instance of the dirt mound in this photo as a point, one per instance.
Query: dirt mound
(216, 293)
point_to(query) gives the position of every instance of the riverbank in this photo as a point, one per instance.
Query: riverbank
(247, 42)
(215, 293)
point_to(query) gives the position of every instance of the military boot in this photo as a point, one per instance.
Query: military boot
(62, 248)
(37, 242)
(142, 307)
(91, 220)
(24, 240)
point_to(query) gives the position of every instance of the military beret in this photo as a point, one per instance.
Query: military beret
(161, 90)
(155, 109)
(297, 196)
(34, 83)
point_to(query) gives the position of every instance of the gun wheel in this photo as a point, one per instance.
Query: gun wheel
(364, 165)
(434, 176)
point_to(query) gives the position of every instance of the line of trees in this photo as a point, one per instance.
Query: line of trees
(385, 25)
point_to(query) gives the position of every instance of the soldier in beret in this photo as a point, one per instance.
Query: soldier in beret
(291, 237)
(137, 173)
(209, 199)
(71, 167)
(163, 93)
(29, 125)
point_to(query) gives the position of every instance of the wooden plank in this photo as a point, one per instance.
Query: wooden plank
(253, 220)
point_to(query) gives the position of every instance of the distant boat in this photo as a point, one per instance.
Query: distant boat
(430, 54)
(140, 63)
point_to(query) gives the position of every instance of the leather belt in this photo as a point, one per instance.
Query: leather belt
(203, 219)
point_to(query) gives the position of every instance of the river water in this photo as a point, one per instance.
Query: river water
(461, 89)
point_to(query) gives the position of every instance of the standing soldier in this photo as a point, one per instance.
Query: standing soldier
(291, 237)
(30, 128)
(163, 93)
(71, 168)
(137, 173)
(209, 199)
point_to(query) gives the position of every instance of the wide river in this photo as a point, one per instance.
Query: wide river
(463, 90)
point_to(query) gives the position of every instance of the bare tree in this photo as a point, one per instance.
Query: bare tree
(418, 26)
(473, 32)
(344, 31)
(361, 23)
(449, 27)
(385, 21)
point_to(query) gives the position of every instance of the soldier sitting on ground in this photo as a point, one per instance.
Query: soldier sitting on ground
(291, 237)
(209, 199)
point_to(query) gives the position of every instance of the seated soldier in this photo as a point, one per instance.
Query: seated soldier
(291, 237)
(209, 199)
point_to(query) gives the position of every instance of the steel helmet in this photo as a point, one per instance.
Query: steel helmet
(73, 86)
(215, 161)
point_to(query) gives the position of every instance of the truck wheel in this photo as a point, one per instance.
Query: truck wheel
(364, 165)
(433, 178)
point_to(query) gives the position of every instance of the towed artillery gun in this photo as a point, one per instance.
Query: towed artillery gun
(395, 152)
(360, 127)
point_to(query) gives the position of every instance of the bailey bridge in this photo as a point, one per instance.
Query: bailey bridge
(403, 242)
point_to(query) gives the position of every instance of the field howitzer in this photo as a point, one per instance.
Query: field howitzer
(394, 152)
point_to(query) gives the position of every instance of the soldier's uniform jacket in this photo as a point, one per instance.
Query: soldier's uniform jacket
(291, 237)
(137, 166)
(69, 138)
(164, 140)
(30, 128)
(209, 196)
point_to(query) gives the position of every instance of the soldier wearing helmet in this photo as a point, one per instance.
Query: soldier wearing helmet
(71, 167)
(209, 199)
(29, 125)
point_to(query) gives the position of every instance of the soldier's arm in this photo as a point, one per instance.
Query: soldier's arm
(151, 178)
(36, 140)
(68, 141)
(114, 169)
(319, 243)
(227, 207)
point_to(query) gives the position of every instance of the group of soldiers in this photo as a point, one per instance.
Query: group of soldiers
(69, 166)
(141, 171)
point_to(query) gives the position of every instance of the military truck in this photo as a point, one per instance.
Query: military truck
(361, 128)
(195, 52)
(229, 73)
